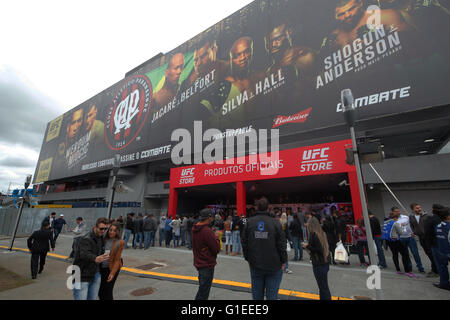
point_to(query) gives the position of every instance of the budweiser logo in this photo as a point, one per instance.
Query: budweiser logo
(300, 117)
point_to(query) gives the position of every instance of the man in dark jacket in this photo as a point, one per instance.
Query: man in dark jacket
(38, 243)
(417, 221)
(205, 247)
(90, 254)
(149, 229)
(58, 225)
(376, 234)
(264, 247)
(296, 232)
(189, 225)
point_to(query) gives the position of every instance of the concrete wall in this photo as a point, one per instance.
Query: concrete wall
(434, 167)
(31, 219)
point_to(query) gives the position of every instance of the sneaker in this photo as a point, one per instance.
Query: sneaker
(431, 274)
(437, 285)
(288, 271)
(400, 273)
(422, 271)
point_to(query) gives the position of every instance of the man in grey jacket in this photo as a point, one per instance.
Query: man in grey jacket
(78, 231)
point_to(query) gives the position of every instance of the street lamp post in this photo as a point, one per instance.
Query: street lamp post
(13, 237)
(348, 107)
(113, 174)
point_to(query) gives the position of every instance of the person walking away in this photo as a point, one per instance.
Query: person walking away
(129, 228)
(296, 232)
(417, 221)
(320, 256)
(153, 228)
(408, 239)
(442, 250)
(228, 234)
(176, 231)
(78, 231)
(391, 234)
(376, 234)
(329, 228)
(58, 225)
(110, 269)
(184, 220)
(162, 228)
(284, 226)
(147, 229)
(51, 220)
(205, 247)
(139, 232)
(39, 244)
(189, 225)
(264, 248)
(361, 242)
(90, 254)
(168, 231)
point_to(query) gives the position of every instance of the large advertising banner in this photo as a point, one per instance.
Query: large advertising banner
(273, 64)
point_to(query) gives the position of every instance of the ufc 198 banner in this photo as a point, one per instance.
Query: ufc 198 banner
(273, 64)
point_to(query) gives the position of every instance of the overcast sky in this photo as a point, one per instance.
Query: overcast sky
(58, 54)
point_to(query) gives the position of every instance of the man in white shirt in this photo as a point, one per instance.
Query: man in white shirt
(407, 238)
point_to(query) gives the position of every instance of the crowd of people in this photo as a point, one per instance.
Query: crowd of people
(265, 239)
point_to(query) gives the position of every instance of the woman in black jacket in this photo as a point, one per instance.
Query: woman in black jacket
(320, 256)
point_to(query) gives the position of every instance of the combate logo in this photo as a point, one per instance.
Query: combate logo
(128, 112)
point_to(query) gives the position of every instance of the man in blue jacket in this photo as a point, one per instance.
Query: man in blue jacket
(264, 247)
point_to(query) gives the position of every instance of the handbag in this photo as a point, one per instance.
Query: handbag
(288, 246)
(340, 254)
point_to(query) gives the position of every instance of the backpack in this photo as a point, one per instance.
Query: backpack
(386, 231)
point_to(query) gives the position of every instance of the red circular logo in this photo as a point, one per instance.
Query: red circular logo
(128, 112)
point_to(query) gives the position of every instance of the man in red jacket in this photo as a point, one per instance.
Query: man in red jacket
(205, 246)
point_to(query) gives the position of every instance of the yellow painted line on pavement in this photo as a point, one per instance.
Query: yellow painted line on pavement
(290, 293)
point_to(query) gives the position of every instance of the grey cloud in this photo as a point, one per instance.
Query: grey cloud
(25, 111)
(16, 161)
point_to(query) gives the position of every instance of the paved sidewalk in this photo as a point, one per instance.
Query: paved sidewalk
(345, 281)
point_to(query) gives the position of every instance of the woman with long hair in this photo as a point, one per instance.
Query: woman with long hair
(320, 256)
(110, 269)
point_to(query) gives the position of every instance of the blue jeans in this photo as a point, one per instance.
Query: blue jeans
(268, 281)
(88, 290)
(152, 238)
(205, 278)
(126, 237)
(162, 234)
(138, 238)
(236, 241)
(183, 236)
(412, 244)
(441, 261)
(297, 248)
(176, 240)
(381, 258)
(321, 275)
(360, 245)
(146, 239)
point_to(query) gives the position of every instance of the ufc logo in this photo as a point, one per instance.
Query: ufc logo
(187, 172)
(315, 153)
(126, 111)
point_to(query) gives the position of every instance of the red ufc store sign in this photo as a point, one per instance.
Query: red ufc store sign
(327, 158)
